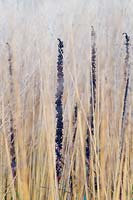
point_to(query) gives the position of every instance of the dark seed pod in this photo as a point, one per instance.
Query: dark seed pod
(11, 123)
(125, 101)
(93, 68)
(75, 121)
(59, 110)
(126, 75)
(92, 100)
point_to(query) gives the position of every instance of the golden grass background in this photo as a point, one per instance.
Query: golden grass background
(32, 28)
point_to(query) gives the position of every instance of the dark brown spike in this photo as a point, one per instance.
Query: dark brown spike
(59, 110)
(11, 122)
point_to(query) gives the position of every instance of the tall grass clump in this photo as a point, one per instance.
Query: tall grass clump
(65, 114)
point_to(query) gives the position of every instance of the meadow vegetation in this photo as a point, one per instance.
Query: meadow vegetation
(66, 100)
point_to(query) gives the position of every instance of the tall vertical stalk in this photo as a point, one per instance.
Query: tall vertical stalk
(11, 123)
(92, 101)
(75, 116)
(93, 79)
(59, 110)
(124, 112)
(75, 121)
(126, 77)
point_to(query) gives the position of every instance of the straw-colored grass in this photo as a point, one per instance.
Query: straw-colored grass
(28, 95)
